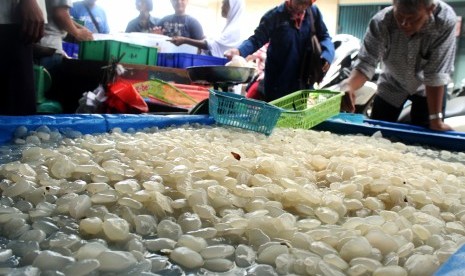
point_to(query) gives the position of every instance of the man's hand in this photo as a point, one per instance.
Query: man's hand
(356, 80)
(65, 22)
(177, 40)
(348, 102)
(229, 54)
(83, 34)
(32, 20)
(439, 125)
(434, 99)
(157, 30)
(326, 66)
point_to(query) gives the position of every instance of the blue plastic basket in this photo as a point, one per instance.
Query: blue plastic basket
(238, 111)
(71, 49)
(183, 60)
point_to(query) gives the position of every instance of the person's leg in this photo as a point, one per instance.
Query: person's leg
(51, 62)
(419, 111)
(17, 92)
(444, 101)
(384, 111)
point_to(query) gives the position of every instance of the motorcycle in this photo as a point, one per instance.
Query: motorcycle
(346, 52)
(455, 111)
(459, 91)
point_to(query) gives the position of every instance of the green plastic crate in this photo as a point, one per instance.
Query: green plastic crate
(94, 50)
(136, 54)
(105, 50)
(307, 108)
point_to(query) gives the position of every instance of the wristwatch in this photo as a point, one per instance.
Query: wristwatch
(435, 116)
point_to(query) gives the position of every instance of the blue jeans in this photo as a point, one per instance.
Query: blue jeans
(51, 62)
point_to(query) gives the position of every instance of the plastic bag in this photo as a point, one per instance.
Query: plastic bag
(92, 101)
(122, 97)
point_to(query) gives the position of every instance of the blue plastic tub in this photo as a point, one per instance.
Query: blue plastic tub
(182, 60)
(95, 123)
(409, 134)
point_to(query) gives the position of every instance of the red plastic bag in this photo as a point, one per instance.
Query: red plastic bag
(124, 98)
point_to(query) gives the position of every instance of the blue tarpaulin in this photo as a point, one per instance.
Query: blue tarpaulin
(341, 124)
(95, 123)
(455, 265)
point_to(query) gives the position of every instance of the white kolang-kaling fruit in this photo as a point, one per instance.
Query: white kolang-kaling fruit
(115, 260)
(186, 257)
(116, 229)
(224, 199)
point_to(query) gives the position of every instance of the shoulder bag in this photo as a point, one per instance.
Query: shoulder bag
(312, 65)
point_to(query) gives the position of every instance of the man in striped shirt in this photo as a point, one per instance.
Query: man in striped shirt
(415, 41)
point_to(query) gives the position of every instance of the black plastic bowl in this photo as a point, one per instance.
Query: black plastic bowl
(220, 74)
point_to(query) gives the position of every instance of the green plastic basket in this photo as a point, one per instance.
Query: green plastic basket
(237, 111)
(307, 108)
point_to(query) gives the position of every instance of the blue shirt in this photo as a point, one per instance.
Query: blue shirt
(286, 49)
(79, 12)
(135, 26)
(181, 25)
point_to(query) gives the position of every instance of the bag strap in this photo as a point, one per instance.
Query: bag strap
(312, 20)
(93, 19)
(313, 30)
(305, 66)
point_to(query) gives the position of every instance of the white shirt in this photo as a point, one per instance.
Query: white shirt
(231, 35)
(44, 9)
(53, 34)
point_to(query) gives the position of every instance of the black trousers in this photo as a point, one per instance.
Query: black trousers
(17, 92)
(419, 113)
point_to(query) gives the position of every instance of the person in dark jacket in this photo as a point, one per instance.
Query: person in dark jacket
(287, 28)
(144, 23)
